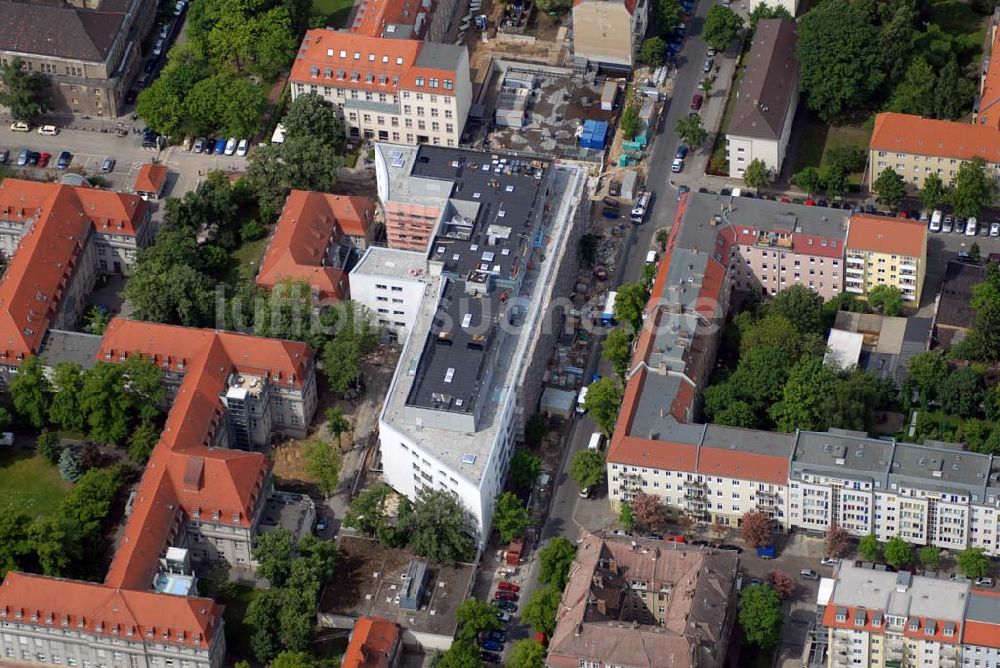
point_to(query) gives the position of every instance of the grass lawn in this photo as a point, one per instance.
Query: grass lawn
(818, 137)
(29, 484)
(245, 260)
(238, 635)
(336, 11)
(957, 18)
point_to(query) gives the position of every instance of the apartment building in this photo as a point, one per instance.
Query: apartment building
(883, 619)
(886, 251)
(90, 50)
(392, 284)
(766, 100)
(981, 632)
(478, 342)
(914, 147)
(318, 239)
(375, 643)
(386, 89)
(607, 35)
(59, 239)
(640, 603)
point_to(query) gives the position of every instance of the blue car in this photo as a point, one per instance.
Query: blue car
(492, 646)
(496, 636)
(220, 147)
(682, 152)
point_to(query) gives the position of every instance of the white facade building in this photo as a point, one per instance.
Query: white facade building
(453, 410)
(392, 283)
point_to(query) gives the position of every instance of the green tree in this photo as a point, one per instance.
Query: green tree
(625, 515)
(142, 441)
(653, 50)
(336, 423)
(474, 616)
(839, 58)
(803, 401)
(534, 432)
(855, 398)
(649, 511)
(886, 299)
(540, 610)
(934, 193)
(524, 468)
(629, 121)
(691, 131)
(440, 528)
(896, 39)
(587, 468)
(983, 340)
(57, 546)
(962, 392)
(774, 331)
(757, 175)
(64, 406)
(666, 15)
(972, 189)
(461, 654)
(15, 541)
(49, 446)
(662, 236)
(357, 335)
(367, 512)
(322, 464)
(889, 187)
(30, 390)
(273, 551)
(293, 660)
(869, 548)
(554, 5)
(953, 93)
(230, 104)
(70, 468)
(510, 517)
(914, 94)
(105, 403)
(722, 26)
(802, 306)
(630, 304)
(25, 93)
(527, 653)
(925, 375)
(809, 179)
(765, 11)
(973, 563)
(555, 560)
(898, 552)
(930, 557)
(975, 253)
(737, 414)
(761, 616)
(603, 401)
(846, 158)
(617, 349)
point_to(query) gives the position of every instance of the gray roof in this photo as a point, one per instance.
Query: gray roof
(653, 418)
(78, 347)
(860, 586)
(770, 82)
(761, 214)
(850, 454)
(440, 56)
(771, 443)
(946, 469)
(391, 263)
(954, 309)
(60, 31)
(983, 607)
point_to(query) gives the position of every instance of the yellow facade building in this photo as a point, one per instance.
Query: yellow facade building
(885, 251)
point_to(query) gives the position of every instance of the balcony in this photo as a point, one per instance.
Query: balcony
(853, 259)
(857, 271)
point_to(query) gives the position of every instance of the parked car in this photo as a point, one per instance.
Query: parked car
(504, 617)
(158, 47)
(4, 156)
(230, 148)
(64, 159)
(707, 65)
(766, 552)
(179, 8)
(495, 636)
(681, 190)
(320, 526)
(48, 130)
(948, 224)
(829, 561)
(242, 147)
(677, 166)
(33, 158)
(675, 539)
(209, 145)
(43, 159)
(22, 157)
(696, 101)
(681, 152)
(809, 574)
(984, 582)
(199, 145)
(585, 493)
(505, 596)
(492, 646)
(164, 30)
(711, 52)
(20, 126)
(149, 66)
(995, 229)
(490, 657)
(108, 165)
(509, 606)
(735, 548)
(508, 586)
(971, 227)
(699, 543)
(960, 224)
(220, 147)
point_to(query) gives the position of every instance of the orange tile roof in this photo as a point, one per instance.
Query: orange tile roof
(100, 610)
(746, 466)
(989, 100)
(905, 133)
(150, 178)
(39, 272)
(887, 234)
(372, 642)
(373, 17)
(298, 247)
(381, 64)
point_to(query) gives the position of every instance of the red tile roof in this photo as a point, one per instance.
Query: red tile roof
(39, 272)
(747, 466)
(804, 244)
(887, 234)
(984, 634)
(373, 17)
(905, 133)
(298, 248)
(100, 610)
(150, 178)
(380, 64)
(989, 104)
(372, 643)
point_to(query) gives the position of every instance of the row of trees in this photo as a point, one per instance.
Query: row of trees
(856, 57)
(215, 80)
(64, 544)
(971, 190)
(435, 526)
(899, 554)
(113, 402)
(781, 380)
(283, 617)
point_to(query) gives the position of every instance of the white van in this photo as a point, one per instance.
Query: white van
(49, 130)
(651, 257)
(971, 227)
(596, 441)
(936, 221)
(581, 400)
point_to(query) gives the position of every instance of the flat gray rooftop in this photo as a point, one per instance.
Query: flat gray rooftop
(983, 607)
(391, 262)
(940, 468)
(764, 214)
(771, 443)
(842, 452)
(653, 418)
(858, 586)
(77, 347)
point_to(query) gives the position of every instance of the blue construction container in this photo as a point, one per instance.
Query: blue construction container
(595, 135)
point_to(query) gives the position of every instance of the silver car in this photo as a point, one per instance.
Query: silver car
(707, 66)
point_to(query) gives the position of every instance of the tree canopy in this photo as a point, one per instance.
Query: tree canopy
(691, 131)
(587, 468)
(889, 187)
(761, 616)
(722, 26)
(972, 189)
(540, 610)
(555, 560)
(25, 93)
(510, 517)
(440, 528)
(604, 398)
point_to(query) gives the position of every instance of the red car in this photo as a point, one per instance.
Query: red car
(508, 586)
(43, 160)
(696, 102)
(675, 539)
(505, 596)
